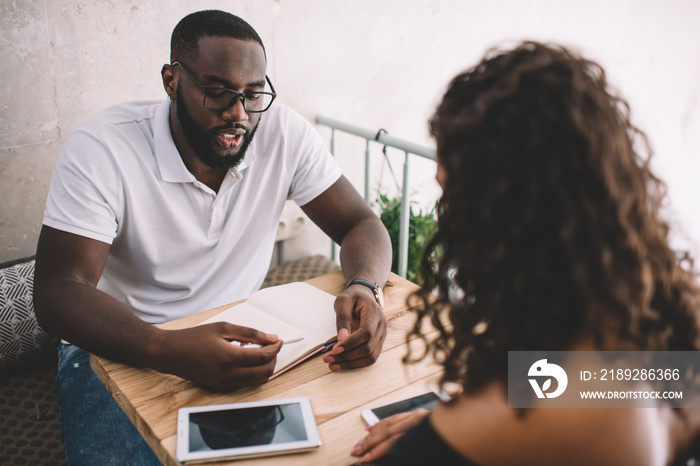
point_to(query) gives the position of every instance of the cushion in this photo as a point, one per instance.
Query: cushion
(21, 338)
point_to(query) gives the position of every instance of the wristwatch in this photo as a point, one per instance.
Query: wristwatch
(376, 289)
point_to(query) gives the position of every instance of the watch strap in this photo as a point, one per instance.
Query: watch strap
(376, 289)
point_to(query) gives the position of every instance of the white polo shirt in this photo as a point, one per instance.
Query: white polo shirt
(177, 247)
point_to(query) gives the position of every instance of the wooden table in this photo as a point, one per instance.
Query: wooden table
(151, 399)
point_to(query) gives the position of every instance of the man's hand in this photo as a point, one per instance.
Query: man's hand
(365, 251)
(385, 433)
(206, 356)
(361, 329)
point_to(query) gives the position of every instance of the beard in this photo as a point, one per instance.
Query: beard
(202, 142)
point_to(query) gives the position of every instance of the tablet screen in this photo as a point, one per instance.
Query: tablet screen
(235, 428)
(238, 430)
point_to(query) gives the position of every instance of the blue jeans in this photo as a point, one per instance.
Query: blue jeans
(94, 429)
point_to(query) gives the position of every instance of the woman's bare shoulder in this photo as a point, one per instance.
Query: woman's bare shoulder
(484, 429)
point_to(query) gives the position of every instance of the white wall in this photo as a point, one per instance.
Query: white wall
(373, 63)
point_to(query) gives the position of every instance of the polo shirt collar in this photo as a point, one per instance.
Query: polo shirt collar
(172, 168)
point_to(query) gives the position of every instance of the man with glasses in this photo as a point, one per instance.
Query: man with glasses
(158, 210)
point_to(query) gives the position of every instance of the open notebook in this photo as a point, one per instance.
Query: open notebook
(291, 311)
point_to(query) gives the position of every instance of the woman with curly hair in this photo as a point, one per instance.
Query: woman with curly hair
(549, 239)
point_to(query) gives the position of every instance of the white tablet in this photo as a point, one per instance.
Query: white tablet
(244, 430)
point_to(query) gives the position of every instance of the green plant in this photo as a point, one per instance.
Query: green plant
(421, 228)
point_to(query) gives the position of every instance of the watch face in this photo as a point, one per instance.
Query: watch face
(380, 296)
(376, 289)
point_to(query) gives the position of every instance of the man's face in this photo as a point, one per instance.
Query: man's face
(221, 147)
(220, 138)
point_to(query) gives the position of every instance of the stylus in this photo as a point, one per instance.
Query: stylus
(255, 345)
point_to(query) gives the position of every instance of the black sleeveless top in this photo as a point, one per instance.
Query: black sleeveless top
(421, 445)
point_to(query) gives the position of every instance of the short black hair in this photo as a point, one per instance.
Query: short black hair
(184, 41)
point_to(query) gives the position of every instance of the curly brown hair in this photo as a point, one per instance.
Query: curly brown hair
(549, 227)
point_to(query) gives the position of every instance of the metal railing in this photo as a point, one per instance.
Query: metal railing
(383, 139)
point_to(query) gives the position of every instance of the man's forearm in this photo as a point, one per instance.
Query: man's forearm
(203, 354)
(91, 319)
(366, 252)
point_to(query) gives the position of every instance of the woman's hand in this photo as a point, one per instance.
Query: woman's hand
(385, 433)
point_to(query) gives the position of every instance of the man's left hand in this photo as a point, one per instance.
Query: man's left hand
(361, 329)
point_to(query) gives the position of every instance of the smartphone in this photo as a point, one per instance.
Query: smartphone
(426, 400)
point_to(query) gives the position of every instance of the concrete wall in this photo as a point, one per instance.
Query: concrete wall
(373, 63)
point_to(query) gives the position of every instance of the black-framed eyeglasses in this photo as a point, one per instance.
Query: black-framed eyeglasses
(220, 98)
